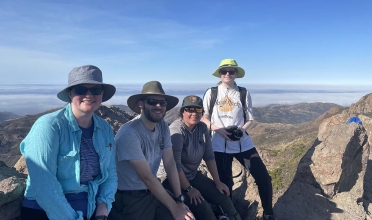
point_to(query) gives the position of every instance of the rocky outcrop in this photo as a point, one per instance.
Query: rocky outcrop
(330, 178)
(362, 107)
(12, 186)
(114, 116)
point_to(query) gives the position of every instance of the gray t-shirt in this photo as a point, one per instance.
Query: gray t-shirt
(135, 142)
(190, 147)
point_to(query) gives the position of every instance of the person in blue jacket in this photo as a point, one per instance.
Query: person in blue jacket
(70, 155)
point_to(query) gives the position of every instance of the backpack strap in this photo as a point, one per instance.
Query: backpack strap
(243, 95)
(214, 92)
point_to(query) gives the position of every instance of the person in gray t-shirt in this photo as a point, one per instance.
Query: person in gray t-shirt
(191, 143)
(140, 145)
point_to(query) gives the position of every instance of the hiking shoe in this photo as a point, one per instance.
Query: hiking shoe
(269, 217)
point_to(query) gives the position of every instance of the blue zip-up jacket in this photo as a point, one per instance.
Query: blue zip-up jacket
(52, 152)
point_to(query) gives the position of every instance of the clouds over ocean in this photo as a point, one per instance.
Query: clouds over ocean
(25, 99)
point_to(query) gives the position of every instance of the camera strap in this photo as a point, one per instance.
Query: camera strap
(224, 162)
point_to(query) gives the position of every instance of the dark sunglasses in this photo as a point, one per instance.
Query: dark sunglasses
(224, 72)
(154, 102)
(192, 110)
(81, 90)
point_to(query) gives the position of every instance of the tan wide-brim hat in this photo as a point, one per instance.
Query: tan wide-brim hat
(231, 63)
(151, 88)
(87, 74)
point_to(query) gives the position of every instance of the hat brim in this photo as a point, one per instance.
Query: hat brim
(186, 106)
(132, 101)
(240, 73)
(108, 91)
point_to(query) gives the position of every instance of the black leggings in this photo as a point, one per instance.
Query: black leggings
(37, 214)
(252, 162)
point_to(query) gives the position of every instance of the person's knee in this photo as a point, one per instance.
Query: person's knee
(199, 207)
(202, 210)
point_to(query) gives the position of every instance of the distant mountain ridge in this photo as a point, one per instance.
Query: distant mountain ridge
(7, 115)
(291, 114)
(286, 114)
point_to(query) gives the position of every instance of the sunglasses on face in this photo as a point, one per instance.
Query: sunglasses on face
(154, 102)
(192, 110)
(224, 72)
(81, 90)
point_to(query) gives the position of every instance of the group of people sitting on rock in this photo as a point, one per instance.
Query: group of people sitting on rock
(79, 170)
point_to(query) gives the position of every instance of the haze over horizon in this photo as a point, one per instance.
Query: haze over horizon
(23, 99)
(278, 42)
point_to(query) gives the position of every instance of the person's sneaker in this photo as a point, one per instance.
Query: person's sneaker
(269, 217)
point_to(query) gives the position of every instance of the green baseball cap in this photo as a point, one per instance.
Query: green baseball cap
(192, 100)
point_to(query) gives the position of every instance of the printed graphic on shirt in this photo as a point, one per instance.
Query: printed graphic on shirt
(161, 143)
(227, 104)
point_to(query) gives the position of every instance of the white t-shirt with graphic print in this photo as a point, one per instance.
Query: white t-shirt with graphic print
(228, 111)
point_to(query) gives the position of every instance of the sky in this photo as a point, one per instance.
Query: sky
(279, 42)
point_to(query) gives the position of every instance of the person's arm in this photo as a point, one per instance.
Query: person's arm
(102, 209)
(248, 113)
(170, 168)
(107, 189)
(178, 210)
(41, 149)
(247, 125)
(177, 147)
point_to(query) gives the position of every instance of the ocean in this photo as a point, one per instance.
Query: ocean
(23, 99)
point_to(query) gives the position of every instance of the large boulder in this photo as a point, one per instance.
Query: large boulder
(12, 186)
(329, 183)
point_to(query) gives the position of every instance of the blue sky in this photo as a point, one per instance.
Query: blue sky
(285, 42)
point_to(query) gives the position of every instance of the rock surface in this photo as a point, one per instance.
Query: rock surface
(330, 178)
(12, 186)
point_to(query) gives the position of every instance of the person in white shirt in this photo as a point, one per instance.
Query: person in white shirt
(228, 112)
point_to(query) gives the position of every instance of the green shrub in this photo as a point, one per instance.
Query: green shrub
(276, 178)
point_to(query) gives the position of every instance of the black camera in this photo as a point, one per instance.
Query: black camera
(236, 133)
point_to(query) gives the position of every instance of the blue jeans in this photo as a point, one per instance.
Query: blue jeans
(252, 162)
(37, 214)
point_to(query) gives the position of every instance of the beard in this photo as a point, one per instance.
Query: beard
(150, 117)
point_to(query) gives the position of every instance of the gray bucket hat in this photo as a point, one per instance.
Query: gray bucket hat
(151, 88)
(87, 74)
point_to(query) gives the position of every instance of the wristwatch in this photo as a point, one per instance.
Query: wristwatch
(180, 198)
(100, 217)
(189, 188)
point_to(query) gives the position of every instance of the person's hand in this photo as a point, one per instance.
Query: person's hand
(223, 133)
(182, 212)
(222, 188)
(242, 129)
(195, 196)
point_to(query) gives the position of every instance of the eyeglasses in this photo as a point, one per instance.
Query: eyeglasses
(154, 102)
(81, 90)
(192, 110)
(224, 72)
